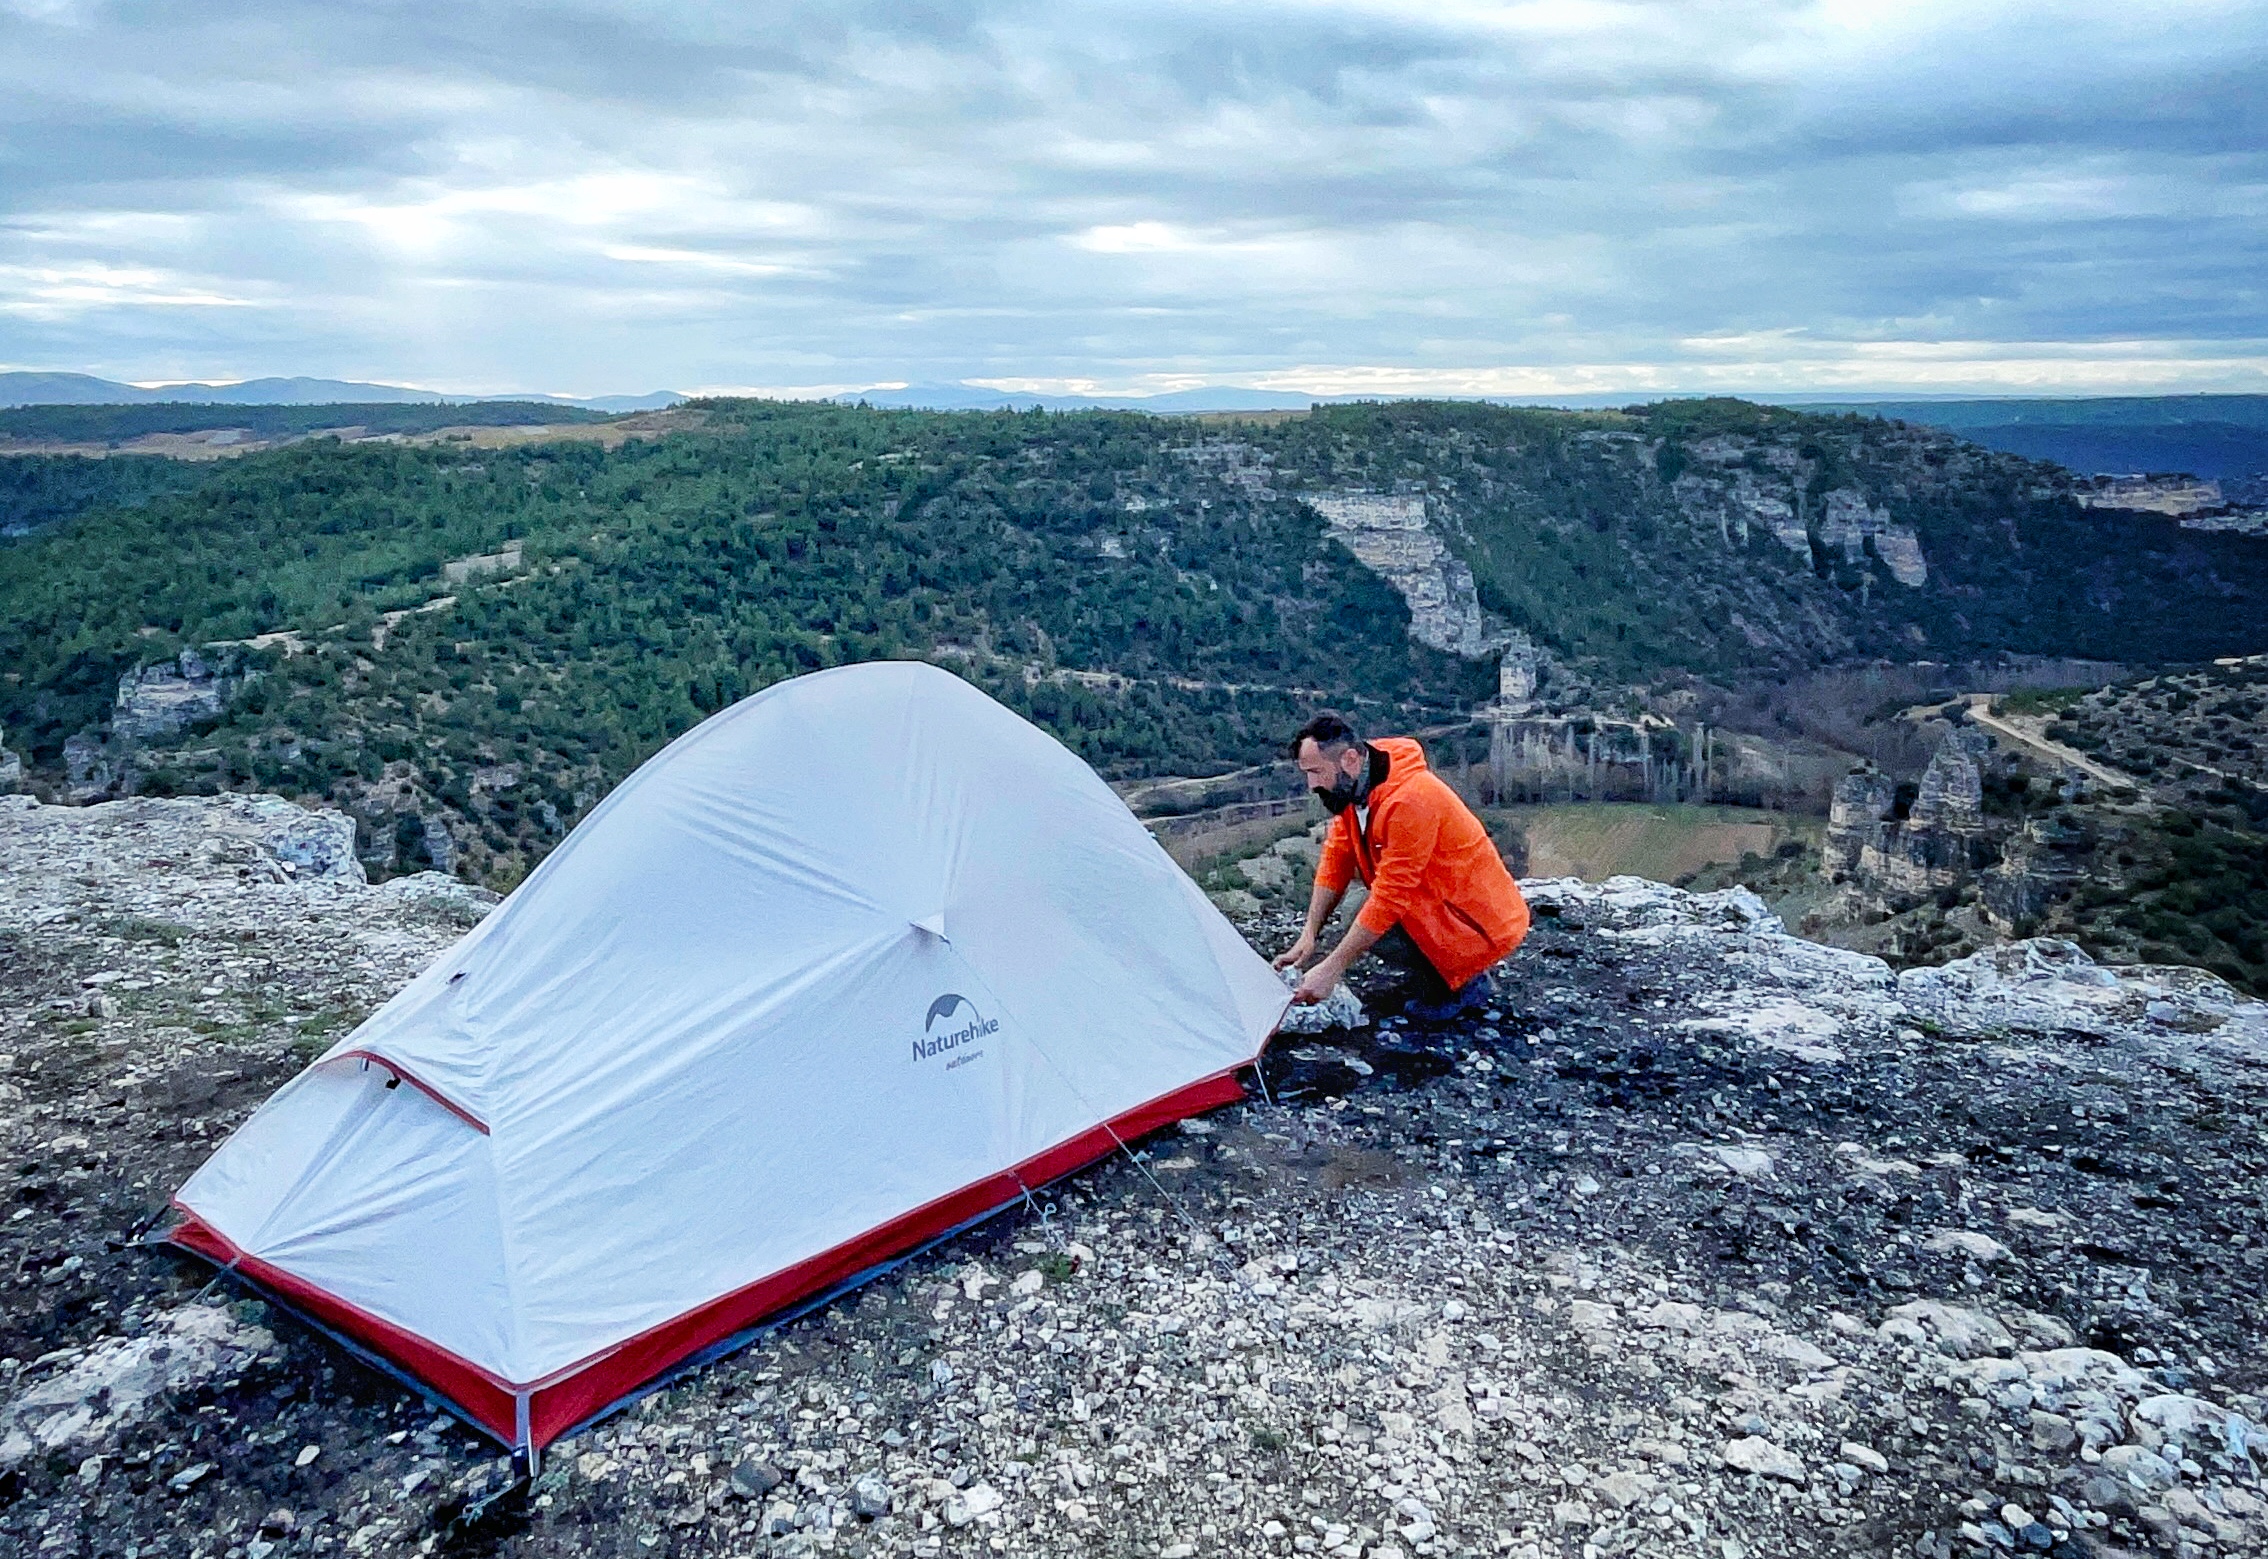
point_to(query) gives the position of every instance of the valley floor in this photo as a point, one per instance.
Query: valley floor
(1667, 843)
(1705, 1242)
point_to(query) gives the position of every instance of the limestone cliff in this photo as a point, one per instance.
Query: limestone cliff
(155, 704)
(2001, 837)
(1900, 850)
(1390, 533)
(163, 698)
(1745, 487)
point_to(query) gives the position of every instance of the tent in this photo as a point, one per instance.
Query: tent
(850, 965)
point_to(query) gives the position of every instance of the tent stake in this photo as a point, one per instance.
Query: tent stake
(228, 1271)
(1047, 1224)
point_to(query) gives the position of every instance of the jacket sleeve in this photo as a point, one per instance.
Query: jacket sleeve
(1335, 867)
(1411, 835)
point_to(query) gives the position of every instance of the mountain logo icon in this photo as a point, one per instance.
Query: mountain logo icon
(953, 1022)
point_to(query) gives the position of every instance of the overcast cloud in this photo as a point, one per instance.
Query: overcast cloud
(1448, 197)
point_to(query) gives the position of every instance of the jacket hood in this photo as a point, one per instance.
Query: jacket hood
(1405, 759)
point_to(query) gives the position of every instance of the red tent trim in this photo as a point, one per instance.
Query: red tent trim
(583, 1390)
(420, 1084)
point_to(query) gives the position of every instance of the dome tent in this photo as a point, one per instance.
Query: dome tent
(851, 964)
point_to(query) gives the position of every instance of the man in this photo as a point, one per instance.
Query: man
(1441, 904)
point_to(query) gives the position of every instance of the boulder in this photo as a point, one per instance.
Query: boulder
(114, 1384)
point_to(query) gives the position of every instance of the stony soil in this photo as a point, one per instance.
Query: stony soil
(1703, 1241)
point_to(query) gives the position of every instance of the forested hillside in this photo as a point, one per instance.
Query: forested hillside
(1728, 538)
(40, 490)
(1164, 594)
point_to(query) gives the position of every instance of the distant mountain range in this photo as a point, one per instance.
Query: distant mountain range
(64, 389)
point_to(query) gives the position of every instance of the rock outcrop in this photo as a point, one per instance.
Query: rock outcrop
(1851, 527)
(2174, 494)
(1742, 486)
(2043, 862)
(106, 1390)
(1519, 675)
(1899, 858)
(1389, 532)
(154, 705)
(161, 699)
(91, 770)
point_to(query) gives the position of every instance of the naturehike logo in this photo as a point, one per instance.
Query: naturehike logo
(952, 1023)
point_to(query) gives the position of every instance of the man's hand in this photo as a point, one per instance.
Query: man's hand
(1321, 981)
(1296, 955)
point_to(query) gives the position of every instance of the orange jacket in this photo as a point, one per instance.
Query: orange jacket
(1430, 867)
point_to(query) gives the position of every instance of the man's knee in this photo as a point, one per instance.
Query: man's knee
(1397, 949)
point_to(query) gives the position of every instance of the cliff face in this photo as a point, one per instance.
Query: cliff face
(1925, 871)
(1705, 1238)
(1724, 539)
(166, 697)
(1746, 485)
(1391, 535)
(155, 704)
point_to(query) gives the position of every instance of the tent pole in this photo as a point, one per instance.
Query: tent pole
(528, 1455)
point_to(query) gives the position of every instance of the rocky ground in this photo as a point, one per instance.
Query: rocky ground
(1703, 1241)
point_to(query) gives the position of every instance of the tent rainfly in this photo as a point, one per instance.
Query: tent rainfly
(854, 963)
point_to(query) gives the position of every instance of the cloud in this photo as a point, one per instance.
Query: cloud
(69, 291)
(606, 196)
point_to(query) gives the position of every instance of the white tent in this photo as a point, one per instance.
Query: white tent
(849, 965)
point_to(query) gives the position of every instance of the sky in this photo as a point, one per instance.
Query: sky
(1441, 197)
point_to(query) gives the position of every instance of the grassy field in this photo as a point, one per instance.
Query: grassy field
(1665, 843)
(1270, 863)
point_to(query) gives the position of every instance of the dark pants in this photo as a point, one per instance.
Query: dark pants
(1420, 982)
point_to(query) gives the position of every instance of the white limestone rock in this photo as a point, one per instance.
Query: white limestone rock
(1388, 532)
(1954, 1330)
(114, 1384)
(2045, 985)
(1980, 1248)
(452, 897)
(1755, 1454)
(1342, 1009)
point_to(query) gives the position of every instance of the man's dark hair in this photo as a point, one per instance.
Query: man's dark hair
(1327, 730)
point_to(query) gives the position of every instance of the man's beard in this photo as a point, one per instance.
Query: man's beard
(1339, 795)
